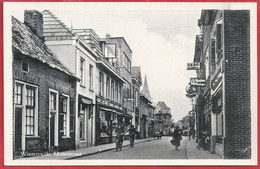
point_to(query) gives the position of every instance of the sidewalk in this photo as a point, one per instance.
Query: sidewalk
(194, 153)
(73, 154)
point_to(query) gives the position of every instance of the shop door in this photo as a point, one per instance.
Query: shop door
(18, 129)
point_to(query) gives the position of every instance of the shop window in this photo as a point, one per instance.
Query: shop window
(82, 123)
(219, 127)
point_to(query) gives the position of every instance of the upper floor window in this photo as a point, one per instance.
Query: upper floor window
(112, 90)
(213, 51)
(116, 92)
(207, 63)
(136, 98)
(126, 62)
(120, 94)
(90, 77)
(219, 38)
(108, 87)
(25, 66)
(82, 71)
(101, 83)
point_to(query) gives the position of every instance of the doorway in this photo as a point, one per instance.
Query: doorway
(18, 129)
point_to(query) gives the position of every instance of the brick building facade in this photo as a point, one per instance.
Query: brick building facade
(43, 114)
(222, 105)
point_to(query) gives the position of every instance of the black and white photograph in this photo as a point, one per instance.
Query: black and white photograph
(130, 83)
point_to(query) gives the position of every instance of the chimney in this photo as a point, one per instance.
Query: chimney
(108, 36)
(33, 19)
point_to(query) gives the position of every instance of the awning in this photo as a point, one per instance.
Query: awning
(85, 101)
(110, 110)
(106, 109)
(127, 115)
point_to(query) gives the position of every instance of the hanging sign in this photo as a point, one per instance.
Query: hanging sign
(197, 82)
(193, 66)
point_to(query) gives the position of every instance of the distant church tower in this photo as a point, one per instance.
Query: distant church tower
(145, 91)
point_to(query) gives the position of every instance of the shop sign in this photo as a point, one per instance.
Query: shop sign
(193, 66)
(197, 82)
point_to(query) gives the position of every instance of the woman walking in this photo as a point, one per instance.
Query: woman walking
(176, 136)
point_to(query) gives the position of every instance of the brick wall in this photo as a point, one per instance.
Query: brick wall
(237, 83)
(45, 78)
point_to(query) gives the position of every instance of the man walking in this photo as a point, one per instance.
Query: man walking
(132, 135)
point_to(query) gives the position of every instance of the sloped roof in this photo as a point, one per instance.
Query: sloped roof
(54, 28)
(25, 41)
(162, 108)
(163, 105)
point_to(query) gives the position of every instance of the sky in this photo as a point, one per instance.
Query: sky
(162, 42)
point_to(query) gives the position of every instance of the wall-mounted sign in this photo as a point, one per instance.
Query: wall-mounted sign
(193, 66)
(197, 82)
(191, 92)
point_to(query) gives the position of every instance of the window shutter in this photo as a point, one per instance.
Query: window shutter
(72, 115)
(219, 36)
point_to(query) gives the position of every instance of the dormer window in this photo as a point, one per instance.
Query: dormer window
(25, 66)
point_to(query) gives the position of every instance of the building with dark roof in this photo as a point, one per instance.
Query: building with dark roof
(43, 92)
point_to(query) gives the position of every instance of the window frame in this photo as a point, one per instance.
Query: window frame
(82, 71)
(28, 66)
(101, 83)
(30, 105)
(108, 88)
(23, 106)
(66, 115)
(91, 77)
(17, 94)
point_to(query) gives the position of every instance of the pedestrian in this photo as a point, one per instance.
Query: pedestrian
(132, 135)
(176, 136)
(119, 137)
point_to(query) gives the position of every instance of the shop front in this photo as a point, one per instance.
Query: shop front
(85, 122)
(107, 121)
(218, 123)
